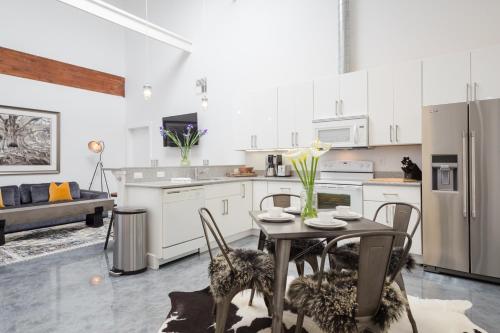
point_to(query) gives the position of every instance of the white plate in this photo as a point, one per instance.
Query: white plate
(349, 217)
(283, 218)
(292, 210)
(334, 224)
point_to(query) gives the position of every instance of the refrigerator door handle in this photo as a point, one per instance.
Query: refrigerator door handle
(467, 92)
(473, 173)
(464, 171)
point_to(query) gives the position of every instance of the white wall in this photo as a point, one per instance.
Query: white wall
(239, 46)
(54, 30)
(386, 31)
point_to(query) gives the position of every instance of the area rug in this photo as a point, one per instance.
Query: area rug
(192, 313)
(27, 245)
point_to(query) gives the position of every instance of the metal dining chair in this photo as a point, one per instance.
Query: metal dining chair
(234, 270)
(359, 300)
(346, 256)
(313, 247)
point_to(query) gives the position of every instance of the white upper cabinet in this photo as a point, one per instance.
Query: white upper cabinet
(264, 118)
(381, 105)
(286, 116)
(295, 114)
(446, 79)
(326, 96)
(395, 104)
(408, 103)
(485, 73)
(242, 127)
(255, 121)
(353, 93)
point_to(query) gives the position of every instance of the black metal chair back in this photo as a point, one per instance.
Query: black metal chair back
(401, 220)
(374, 259)
(208, 223)
(282, 200)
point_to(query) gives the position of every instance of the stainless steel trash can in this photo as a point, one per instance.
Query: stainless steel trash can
(129, 250)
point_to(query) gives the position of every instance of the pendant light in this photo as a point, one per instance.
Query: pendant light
(147, 89)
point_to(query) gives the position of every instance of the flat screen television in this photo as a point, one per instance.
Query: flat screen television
(177, 124)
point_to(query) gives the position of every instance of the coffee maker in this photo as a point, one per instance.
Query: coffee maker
(271, 166)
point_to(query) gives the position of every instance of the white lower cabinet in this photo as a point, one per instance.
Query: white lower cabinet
(376, 195)
(229, 204)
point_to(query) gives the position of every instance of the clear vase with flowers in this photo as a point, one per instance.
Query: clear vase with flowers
(305, 162)
(190, 136)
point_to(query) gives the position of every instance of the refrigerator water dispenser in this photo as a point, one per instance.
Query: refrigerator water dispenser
(444, 172)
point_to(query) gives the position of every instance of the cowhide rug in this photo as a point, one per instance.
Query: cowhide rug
(192, 313)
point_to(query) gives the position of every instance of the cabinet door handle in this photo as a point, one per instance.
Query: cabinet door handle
(397, 133)
(293, 140)
(336, 108)
(296, 139)
(341, 107)
(390, 133)
(243, 191)
(467, 92)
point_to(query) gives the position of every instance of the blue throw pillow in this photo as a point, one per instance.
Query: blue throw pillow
(40, 193)
(8, 196)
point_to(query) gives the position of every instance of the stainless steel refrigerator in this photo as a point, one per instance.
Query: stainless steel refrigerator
(461, 188)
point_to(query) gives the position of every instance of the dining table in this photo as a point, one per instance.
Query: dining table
(283, 233)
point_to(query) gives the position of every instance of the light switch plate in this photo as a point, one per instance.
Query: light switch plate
(138, 175)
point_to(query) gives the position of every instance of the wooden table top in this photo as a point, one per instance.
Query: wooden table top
(296, 229)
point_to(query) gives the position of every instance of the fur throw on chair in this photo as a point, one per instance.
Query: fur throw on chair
(253, 269)
(347, 257)
(333, 307)
(299, 245)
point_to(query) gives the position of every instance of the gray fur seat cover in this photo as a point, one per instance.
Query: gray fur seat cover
(316, 247)
(333, 307)
(347, 257)
(253, 269)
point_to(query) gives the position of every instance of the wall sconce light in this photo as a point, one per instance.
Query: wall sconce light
(202, 84)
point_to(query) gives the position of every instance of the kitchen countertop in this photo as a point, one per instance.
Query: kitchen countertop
(166, 184)
(393, 181)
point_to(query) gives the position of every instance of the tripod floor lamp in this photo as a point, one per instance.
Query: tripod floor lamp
(98, 148)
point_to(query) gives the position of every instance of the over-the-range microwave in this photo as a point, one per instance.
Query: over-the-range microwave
(345, 132)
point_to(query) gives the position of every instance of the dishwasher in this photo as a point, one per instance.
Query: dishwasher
(181, 222)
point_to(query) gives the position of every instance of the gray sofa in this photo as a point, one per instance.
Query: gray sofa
(29, 195)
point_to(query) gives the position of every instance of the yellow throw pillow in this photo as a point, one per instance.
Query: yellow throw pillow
(59, 192)
(1, 200)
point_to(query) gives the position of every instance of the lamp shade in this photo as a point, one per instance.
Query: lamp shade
(96, 146)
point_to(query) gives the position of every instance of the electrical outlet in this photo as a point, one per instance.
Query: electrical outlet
(160, 174)
(138, 175)
(206, 162)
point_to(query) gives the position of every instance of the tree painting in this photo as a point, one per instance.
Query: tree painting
(24, 140)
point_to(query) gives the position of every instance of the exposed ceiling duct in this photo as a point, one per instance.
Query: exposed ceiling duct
(344, 42)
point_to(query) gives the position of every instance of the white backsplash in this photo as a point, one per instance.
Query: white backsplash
(385, 159)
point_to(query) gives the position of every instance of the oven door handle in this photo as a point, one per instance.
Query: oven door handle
(339, 187)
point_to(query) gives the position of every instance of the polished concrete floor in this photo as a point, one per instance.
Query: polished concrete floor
(64, 293)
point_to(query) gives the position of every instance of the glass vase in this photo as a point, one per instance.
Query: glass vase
(309, 203)
(185, 157)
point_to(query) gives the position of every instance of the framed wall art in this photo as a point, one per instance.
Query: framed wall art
(29, 141)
